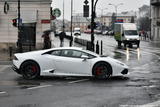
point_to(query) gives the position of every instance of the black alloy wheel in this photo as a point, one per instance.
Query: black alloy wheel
(30, 70)
(102, 70)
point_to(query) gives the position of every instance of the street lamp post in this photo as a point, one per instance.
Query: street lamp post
(19, 28)
(63, 17)
(116, 7)
(93, 10)
(71, 41)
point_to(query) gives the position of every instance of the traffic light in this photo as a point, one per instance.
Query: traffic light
(14, 22)
(85, 10)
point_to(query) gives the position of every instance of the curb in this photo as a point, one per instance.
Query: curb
(5, 62)
(154, 104)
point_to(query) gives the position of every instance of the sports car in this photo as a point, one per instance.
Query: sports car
(66, 61)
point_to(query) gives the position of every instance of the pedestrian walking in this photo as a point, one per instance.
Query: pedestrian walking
(61, 37)
(46, 41)
(142, 34)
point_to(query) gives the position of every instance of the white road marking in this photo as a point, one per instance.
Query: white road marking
(82, 80)
(2, 92)
(43, 86)
(154, 104)
(2, 68)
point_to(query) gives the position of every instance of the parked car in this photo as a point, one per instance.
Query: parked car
(105, 32)
(87, 31)
(98, 31)
(77, 31)
(66, 61)
(111, 33)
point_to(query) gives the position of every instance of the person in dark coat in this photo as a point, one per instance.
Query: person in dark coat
(47, 41)
(61, 37)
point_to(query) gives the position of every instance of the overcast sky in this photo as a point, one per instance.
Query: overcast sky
(128, 5)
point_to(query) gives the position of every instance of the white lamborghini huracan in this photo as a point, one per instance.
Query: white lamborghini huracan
(66, 61)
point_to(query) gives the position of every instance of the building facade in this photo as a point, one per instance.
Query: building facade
(80, 22)
(155, 19)
(34, 19)
(125, 17)
(143, 11)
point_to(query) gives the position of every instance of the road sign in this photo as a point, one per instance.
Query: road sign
(119, 21)
(56, 12)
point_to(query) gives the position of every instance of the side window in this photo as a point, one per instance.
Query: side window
(56, 52)
(77, 54)
(67, 53)
(89, 55)
(71, 53)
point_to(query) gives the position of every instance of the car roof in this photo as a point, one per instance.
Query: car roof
(76, 48)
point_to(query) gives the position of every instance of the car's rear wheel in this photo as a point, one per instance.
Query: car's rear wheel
(102, 70)
(30, 70)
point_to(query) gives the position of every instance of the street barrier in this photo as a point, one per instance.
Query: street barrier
(87, 43)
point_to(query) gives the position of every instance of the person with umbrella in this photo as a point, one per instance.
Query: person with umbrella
(61, 37)
(47, 39)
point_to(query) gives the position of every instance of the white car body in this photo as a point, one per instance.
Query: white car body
(67, 66)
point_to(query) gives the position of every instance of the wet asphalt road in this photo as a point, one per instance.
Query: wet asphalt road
(141, 86)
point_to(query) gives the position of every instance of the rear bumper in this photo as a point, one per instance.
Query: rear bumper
(16, 69)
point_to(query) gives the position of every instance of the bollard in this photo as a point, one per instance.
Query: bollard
(88, 45)
(97, 48)
(101, 47)
(10, 52)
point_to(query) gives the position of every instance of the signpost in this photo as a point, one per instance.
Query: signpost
(56, 12)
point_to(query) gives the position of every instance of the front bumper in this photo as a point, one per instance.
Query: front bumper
(16, 69)
(131, 41)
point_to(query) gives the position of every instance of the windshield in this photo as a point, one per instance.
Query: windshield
(93, 53)
(131, 32)
(77, 30)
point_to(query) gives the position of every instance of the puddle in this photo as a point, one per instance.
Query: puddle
(8, 83)
(144, 72)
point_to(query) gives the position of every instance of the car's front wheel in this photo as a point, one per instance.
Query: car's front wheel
(102, 70)
(30, 70)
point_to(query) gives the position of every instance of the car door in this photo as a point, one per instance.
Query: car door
(70, 62)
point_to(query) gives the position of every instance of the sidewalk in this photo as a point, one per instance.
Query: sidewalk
(4, 56)
(56, 43)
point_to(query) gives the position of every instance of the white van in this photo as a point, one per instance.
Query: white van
(127, 34)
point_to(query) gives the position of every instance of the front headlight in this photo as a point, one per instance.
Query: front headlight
(15, 58)
(127, 38)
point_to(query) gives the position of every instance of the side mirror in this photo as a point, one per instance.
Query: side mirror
(84, 57)
(122, 34)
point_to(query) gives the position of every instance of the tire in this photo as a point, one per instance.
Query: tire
(125, 45)
(102, 70)
(130, 45)
(138, 45)
(30, 70)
